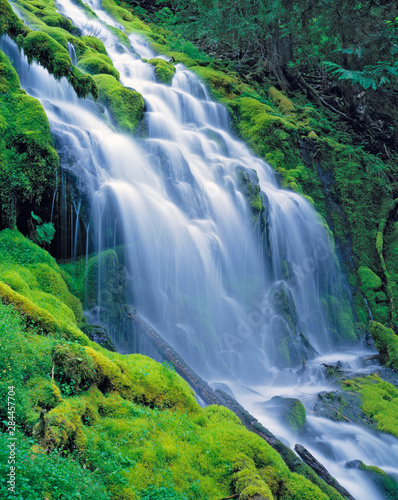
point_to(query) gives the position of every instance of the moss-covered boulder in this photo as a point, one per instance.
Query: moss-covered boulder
(281, 101)
(164, 70)
(98, 65)
(125, 105)
(290, 410)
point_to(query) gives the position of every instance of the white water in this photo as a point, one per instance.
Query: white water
(200, 272)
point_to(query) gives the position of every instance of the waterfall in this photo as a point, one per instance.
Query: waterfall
(239, 297)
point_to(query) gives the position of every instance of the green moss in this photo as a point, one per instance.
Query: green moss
(281, 101)
(386, 343)
(94, 43)
(250, 187)
(95, 65)
(164, 71)
(388, 484)
(369, 280)
(296, 416)
(379, 401)
(49, 53)
(340, 316)
(247, 481)
(126, 106)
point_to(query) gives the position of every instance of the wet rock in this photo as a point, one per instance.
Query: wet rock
(290, 410)
(341, 407)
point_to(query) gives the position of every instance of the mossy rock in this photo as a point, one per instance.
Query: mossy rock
(249, 184)
(340, 317)
(379, 401)
(164, 70)
(125, 105)
(369, 280)
(385, 482)
(49, 53)
(386, 343)
(96, 65)
(94, 43)
(290, 410)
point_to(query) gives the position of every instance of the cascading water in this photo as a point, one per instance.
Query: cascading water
(240, 299)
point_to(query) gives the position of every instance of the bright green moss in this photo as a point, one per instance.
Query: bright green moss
(94, 43)
(96, 65)
(379, 401)
(220, 84)
(281, 101)
(9, 22)
(49, 53)
(164, 71)
(126, 106)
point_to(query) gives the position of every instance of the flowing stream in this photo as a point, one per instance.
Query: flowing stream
(244, 301)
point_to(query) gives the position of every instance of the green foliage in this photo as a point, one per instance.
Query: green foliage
(48, 475)
(369, 77)
(133, 421)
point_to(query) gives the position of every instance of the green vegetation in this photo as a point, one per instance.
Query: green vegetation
(25, 141)
(118, 426)
(125, 105)
(379, 401)
(388, 484)
(387, 344)
(164, 71)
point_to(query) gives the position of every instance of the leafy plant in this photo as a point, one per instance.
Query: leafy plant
(44, 231)
(369, 77)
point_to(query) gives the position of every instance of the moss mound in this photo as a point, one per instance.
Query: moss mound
(96, 65)
(164, 71)
(125, 105)
(379, 401)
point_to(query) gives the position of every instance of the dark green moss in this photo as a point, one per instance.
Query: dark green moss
(386, 343)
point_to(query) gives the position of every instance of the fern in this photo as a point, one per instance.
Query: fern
(369, 77)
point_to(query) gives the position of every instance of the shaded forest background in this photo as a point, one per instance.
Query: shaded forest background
(341, 53)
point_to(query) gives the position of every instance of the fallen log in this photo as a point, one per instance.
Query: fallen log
(321, 471)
